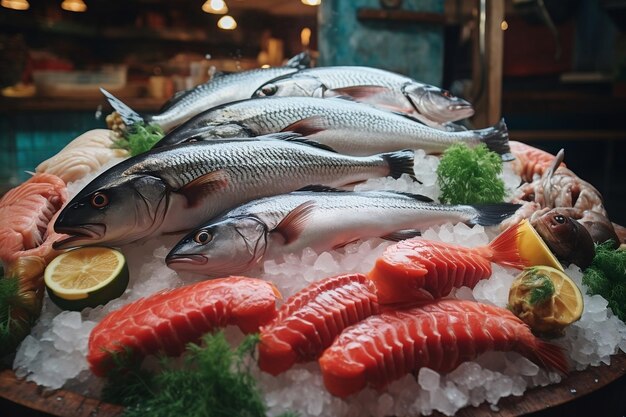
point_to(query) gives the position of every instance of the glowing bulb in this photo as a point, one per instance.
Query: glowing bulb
(311, 2)
(15, 4)
(215, 7)
(227, 23)
(305, 37)
(74, 5)
(504, 25)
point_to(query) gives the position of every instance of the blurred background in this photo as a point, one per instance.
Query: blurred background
(554, 69)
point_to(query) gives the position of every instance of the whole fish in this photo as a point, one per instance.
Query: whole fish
(173, 189)
(429, 104)
(287, 223)
(346, 126)
(219, 90)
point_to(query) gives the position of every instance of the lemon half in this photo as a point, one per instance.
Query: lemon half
(86, 277)
(546, 299)
(533, 249)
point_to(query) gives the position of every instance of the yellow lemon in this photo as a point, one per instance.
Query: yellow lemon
(533, 249)
(86, 277)
(546, 299)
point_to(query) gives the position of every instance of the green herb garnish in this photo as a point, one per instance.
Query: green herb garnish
(139, 138)
(542, 288)
(606, 276)
(214, 381)
(470, 175)
(15, 319)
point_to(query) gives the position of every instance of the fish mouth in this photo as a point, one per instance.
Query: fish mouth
(465, 109)
(86, 232)
(186, 260)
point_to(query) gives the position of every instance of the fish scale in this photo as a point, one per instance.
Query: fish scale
(440, 335)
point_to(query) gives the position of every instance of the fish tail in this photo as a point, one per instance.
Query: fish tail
(505, 250)
(550, 356)
(493, 214)
(128, 115)
(497, 140)
(401, 162)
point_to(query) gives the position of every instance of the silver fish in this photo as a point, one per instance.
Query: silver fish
(345, 126)
(219, 90)
(429, 104)
(272, 226)
(172, 190)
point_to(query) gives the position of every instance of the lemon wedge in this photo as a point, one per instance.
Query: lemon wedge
(533, 249)
(86, 277)
(546, 299)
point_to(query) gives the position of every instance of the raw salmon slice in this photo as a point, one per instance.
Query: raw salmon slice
(440, 335)
(419, 270)
(310, 320)
(168, 320)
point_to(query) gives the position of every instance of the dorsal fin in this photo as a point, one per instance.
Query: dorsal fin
(418, 197)
(294, 223)
(300, 61)
(399, 235)
(310, 142)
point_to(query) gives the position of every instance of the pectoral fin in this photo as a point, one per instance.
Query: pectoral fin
(360, 91)
(308, 126)
(294, 223)
(204, 185)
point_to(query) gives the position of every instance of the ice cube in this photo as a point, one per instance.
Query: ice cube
(428, 379)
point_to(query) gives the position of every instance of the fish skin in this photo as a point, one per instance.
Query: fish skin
(420, 270)
(439, 335)
(173, 189)
(256, 230)
(309, 321)
(344, 125)
(219, 90)
(429, 104)
(168, 320)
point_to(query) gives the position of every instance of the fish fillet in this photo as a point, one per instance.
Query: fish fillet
(420, 270)
(308, 322)
(168, 320)
(440, 336)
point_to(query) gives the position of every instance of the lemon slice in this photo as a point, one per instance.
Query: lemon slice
(533, 249)
(86, 277)
(546, 299)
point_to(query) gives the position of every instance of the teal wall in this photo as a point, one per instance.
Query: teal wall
(29, 137)
(413, 49)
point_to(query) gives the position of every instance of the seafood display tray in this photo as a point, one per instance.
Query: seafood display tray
(64, 403)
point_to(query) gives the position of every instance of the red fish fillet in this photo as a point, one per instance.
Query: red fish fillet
(310, 320)
(440, 336)
(419, 270)
(168, 320)
(25, 213)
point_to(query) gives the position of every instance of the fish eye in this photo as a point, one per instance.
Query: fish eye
(202, 237)
(99, 200)
(269, 90)
(446, 94)
(559, 219)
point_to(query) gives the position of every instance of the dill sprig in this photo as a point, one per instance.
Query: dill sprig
(470, 175)
(606, 276)
(15, 319)
(139, 138)
(214, 381)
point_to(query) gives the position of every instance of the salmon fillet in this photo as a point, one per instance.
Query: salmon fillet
(167, 321)
(440, 335)
(308, 322)
(419, 270)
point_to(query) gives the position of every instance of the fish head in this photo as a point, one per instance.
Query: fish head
(224, 247)
(436, 104)
(567, 238)
(301, 86)
(118, 211)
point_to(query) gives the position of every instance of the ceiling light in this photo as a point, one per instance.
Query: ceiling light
(15, 4)
(215, 7)
(305, 37)
(74, 5)
(227, 23)
(311, 2)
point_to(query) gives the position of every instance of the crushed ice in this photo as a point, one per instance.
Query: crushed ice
(53, 355)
